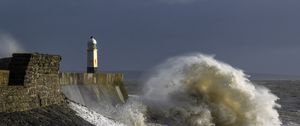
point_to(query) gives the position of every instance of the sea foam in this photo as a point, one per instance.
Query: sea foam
(197, 90)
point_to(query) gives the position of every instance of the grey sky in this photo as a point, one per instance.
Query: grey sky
(254, 35)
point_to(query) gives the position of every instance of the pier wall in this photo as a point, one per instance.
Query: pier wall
(32, 80)
(107, 86)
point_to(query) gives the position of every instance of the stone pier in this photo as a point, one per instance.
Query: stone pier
(33, 80)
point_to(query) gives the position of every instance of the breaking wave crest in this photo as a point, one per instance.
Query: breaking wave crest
(198, 90)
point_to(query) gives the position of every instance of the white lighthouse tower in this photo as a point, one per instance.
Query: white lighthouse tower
(92, 56)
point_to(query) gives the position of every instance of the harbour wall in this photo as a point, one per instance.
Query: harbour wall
(103, 86)
(33, 80)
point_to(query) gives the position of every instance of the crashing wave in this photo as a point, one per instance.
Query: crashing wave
(198, 90)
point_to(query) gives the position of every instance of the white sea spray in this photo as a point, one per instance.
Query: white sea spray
(198, 90)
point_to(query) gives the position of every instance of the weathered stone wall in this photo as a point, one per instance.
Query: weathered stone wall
(30, 69)
(4, 75)
(33, 82)
(109, 84)
(20, 98)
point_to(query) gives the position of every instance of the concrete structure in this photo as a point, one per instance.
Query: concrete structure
(92, 56)
(105, 86)
(33, 80)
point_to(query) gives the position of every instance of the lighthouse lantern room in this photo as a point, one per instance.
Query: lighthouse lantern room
(92, 55)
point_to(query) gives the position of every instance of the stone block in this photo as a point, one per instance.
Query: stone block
(4, 76)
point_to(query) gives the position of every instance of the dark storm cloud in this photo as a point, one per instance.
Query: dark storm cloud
(255, 35)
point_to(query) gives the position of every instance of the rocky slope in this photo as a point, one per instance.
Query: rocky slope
(54, 115)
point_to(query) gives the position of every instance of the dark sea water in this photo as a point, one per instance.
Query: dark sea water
(289, 93)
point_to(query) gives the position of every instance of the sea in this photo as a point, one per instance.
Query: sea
(199, 90)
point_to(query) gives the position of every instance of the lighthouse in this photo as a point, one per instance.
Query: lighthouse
(92, 56)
